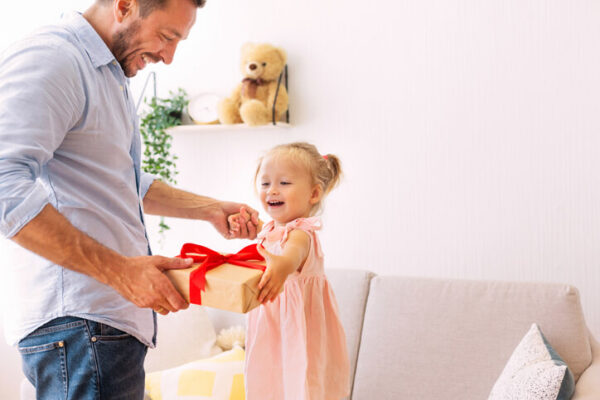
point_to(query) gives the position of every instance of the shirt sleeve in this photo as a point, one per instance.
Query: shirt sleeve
(41, 98)
(146, 181)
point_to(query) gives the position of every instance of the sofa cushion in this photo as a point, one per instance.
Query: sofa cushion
(450, 339)
(534, 370)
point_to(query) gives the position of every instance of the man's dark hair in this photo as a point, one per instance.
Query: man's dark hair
(147, 6)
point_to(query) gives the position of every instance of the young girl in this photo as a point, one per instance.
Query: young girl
(295, 343)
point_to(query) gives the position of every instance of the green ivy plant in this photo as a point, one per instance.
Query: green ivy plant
(158, 159)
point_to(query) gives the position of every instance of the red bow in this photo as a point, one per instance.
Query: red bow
(210, 259)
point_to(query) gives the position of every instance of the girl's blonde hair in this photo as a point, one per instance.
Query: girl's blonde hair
(324, 170)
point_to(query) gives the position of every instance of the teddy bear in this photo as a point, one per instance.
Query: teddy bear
(252, 100)
(230, 337)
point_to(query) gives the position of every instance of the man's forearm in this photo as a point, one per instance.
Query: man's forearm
(138, 279)
(53, 237)
(165, 200)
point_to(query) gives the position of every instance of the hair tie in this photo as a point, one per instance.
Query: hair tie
(325, 157)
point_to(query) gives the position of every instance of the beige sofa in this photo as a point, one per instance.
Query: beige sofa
(426, 339)
(432, 339)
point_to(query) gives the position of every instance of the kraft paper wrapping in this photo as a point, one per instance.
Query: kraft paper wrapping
(228, 287)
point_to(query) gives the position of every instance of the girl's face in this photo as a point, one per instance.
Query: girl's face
(286, 189)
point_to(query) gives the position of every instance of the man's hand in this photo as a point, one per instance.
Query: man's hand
(143, 282)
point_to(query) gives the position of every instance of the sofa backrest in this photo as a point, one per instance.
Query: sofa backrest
(432, 339)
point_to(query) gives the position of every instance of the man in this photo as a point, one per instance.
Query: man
(72, 194)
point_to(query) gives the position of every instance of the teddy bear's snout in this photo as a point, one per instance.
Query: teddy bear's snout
(254, 69)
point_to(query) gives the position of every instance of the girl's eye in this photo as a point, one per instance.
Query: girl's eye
(264, 184)
(285, 183)
(168, 39)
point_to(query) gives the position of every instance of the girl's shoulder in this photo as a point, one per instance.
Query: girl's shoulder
(305, 224)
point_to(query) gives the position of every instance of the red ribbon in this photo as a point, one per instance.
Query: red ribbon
(210, 259)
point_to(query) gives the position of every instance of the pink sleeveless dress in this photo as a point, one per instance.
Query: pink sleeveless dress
(295, 345)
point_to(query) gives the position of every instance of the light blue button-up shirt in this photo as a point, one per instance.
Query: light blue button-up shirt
(69, 137)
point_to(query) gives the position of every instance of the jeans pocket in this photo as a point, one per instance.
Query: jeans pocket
(45, 365)
(108, 333)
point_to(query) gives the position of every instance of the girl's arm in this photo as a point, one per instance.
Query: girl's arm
(279, 267)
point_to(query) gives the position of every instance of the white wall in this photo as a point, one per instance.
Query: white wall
(468, 129)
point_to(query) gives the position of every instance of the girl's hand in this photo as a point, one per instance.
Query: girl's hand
(246, 221)
(243, 224)
(278, 269)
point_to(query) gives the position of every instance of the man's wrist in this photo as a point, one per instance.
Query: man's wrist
(111, 268)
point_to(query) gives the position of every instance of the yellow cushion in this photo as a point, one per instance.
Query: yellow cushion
(219, 377)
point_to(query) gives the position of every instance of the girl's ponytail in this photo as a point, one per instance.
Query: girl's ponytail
(331, 179)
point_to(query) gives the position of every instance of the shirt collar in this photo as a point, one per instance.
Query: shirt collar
(93, 44)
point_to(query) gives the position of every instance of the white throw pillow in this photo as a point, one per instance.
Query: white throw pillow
(534, 371)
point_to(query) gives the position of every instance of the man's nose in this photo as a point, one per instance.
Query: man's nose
(168, 53)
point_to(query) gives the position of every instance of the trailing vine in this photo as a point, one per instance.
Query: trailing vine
(158, 159)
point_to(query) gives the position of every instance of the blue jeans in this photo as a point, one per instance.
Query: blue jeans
(74, 358)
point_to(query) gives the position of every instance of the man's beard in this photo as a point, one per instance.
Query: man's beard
(122, 44)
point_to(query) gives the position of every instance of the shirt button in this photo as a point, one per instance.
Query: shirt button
(94, 339)
(121, 87)
(61, 344)
(114, 63)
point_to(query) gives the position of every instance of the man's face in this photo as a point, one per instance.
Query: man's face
(140, 41)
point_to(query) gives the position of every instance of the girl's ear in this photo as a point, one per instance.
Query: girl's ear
(317, 193)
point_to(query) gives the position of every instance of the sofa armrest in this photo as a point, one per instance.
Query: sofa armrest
(588, 385)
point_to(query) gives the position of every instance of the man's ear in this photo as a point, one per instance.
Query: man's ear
(316, 194)
(124, 9)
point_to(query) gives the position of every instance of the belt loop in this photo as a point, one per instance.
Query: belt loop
(90, 328)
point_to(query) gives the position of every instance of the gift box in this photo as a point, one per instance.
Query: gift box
(224, 281)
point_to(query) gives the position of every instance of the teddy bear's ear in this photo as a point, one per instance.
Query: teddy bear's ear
(282, 54)
(246, 47)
